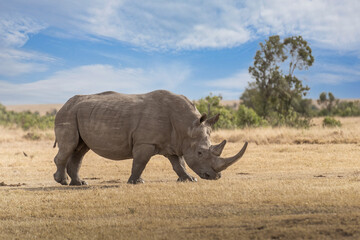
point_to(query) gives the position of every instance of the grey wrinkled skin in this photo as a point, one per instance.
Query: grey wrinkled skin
(121, 126)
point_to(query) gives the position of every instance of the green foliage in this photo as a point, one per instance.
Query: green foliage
(334, 107)
(211, 106)
(275, 96)
(266, 72)
(328, 102)
(292, 119)
(26, 120)
(229, 118)
(247, 117)
(347, 108)
(331, 122)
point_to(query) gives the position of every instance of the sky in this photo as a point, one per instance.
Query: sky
(53, 50)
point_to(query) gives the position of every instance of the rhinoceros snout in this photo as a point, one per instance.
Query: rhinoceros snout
(210, 175)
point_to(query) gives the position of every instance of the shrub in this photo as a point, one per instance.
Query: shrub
(348, 108)
(331, 122)
(26, 120)
(211, 106)
(247, 117)
(32, 136)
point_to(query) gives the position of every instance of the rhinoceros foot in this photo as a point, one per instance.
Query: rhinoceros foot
(135, 181)
(78, 182)
(187, 179)
(60, 179)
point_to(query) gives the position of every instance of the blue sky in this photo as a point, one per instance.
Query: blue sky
(52, 50)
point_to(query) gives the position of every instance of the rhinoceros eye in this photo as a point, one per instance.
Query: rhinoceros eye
(199, 154)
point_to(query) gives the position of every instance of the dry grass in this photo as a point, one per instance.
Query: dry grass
(281, 189)
(316, 134)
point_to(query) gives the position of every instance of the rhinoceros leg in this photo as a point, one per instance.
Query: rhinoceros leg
(74, 164)
(67, 137)
(60, 161)
(178, 165)
(142, 154)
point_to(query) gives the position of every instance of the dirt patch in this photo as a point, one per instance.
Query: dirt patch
(3, 184)
(69, 188)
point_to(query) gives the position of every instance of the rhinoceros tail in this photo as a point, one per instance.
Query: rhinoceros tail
(55, 143)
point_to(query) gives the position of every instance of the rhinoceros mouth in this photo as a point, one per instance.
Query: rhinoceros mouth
(210, 175)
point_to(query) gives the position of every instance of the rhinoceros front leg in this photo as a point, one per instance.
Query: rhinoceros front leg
(178, 165)
(142, 154)
(74, 164)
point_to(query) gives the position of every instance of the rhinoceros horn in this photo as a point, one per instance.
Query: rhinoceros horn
(217, 149)
(223, 163)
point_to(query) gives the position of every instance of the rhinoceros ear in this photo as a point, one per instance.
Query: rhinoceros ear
(197, 122)
(203, 118)
(213, 120)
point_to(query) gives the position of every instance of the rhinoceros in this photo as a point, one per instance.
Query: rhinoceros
(124, 126)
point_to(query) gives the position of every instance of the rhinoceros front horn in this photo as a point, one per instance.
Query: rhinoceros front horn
(223, 163)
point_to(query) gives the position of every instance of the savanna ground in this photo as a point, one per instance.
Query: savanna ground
(291, 183)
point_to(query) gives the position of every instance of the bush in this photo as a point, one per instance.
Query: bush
(331, 122)
(247, 117)
(26, 120)
(292, 119)
(211, 106)
(348, 108)
(32, 136)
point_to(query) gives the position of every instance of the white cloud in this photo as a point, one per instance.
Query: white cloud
(230, 87)
(14, 33)
(334, 74)
(237, 81)
(329, 24)
(205, 36)
(194, 24)
(16, 62)
(93, 79)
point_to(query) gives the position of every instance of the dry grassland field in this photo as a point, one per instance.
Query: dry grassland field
(290, 184)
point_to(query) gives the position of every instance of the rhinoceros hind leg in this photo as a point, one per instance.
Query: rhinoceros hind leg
(68, 139)
(74, 164)
(60, 161)
(178, 165)
(142, 154)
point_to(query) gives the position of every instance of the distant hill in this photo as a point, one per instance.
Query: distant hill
(40, 108)
(230, 103)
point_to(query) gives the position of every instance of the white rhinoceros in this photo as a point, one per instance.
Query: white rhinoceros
(121, 126)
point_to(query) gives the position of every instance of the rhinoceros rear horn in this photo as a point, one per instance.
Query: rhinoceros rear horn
(223, 163)
(211, 121)
(217, 149)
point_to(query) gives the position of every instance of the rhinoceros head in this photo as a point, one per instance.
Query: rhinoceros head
(202, 157)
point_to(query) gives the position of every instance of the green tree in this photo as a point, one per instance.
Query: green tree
(298, 55)
(266, 73)
(274, 94)
(328, 102)
(347, 108)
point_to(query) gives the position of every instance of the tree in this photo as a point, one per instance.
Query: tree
(266, 74)
(298, 55)
(274, 93)
(329, 102)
